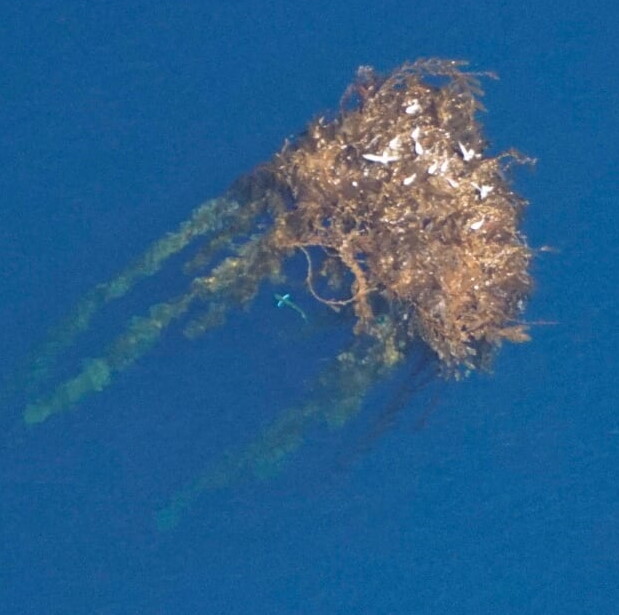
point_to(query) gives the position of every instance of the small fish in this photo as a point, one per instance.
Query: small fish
(285, 300)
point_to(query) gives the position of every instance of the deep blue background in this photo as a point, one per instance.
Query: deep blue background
(117, 118)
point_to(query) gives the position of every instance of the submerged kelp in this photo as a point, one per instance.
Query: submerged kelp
(406, 225)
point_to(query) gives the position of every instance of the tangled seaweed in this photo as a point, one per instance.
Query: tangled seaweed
(406, 224)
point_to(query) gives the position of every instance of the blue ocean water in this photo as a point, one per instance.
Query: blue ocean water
(118, 118)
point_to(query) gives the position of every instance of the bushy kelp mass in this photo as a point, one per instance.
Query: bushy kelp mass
(406, 225)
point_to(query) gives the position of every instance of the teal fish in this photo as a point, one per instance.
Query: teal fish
(285, 300)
